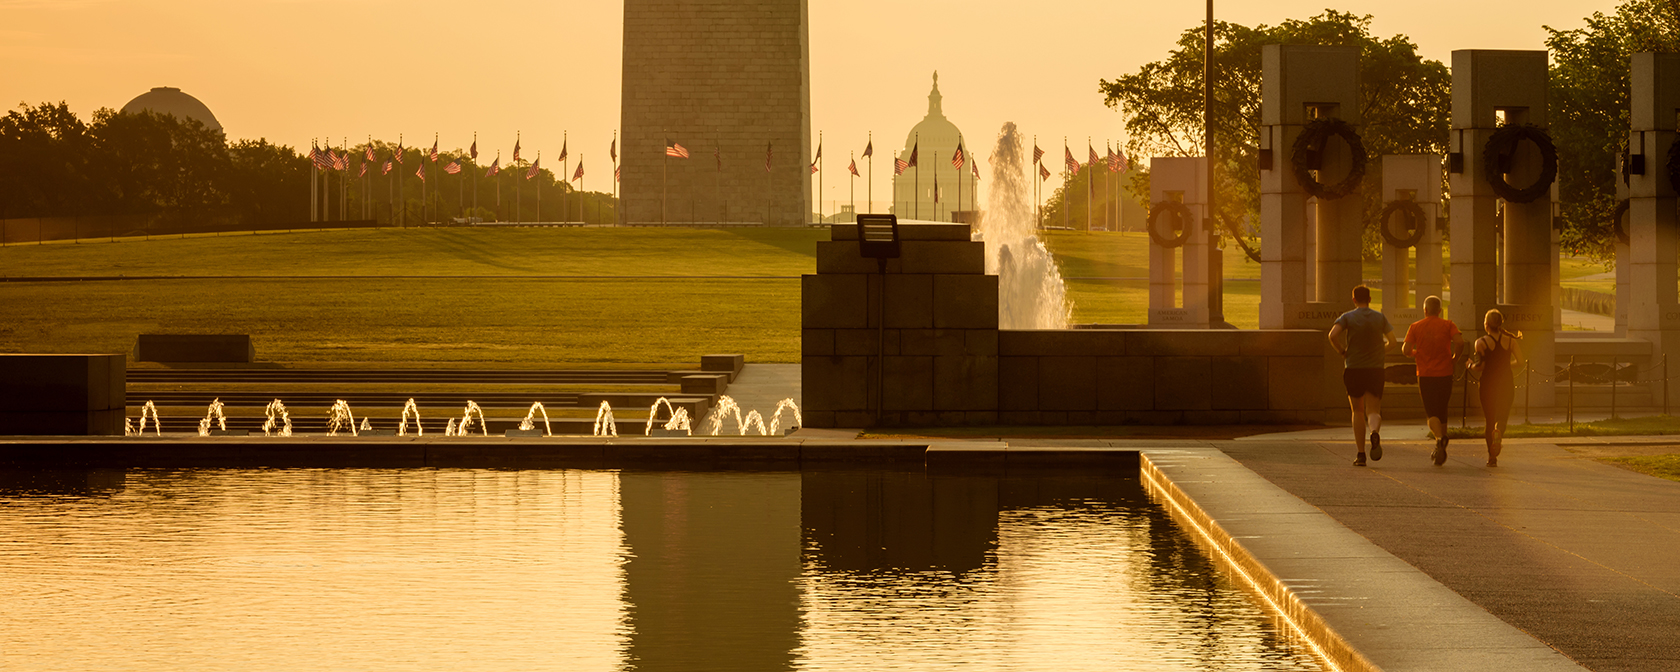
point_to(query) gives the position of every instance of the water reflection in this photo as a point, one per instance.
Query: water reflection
(335, 569)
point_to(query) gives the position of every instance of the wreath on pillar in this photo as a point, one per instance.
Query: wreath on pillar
(1616, 225)
(1496, 161)
(1414, 223)
(1185, 220)
(1308, 155)
(1673, 165)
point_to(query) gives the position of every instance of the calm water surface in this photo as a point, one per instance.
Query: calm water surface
(216, 569)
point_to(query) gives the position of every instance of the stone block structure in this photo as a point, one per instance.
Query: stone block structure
(730, 77)
(1491, 89)
(1311, 260)
(1179, 299)
(944, 361)
(1415, 178)
(81, 395)
(1654, 305)
(235, 348)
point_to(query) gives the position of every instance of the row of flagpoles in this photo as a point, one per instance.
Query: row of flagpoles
(328, 160)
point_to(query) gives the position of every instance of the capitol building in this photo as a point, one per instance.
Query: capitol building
(169, 100)
(935, 140)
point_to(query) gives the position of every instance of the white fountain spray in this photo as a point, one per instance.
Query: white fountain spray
(465, 427)
(128, 426)
(157, 425)
(754, 419)
(1031, 294)
(653, 414)
(402, 429)
(214, 412)
(276, 411)
(529, 423)
(604, 423)
(366, 426)
(449, 430)
(339, 417)
(679, 421)
(776, 418)
(725, 405)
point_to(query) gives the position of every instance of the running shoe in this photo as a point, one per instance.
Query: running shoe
(1440, 455)
(1359, 461)
(1376, 447)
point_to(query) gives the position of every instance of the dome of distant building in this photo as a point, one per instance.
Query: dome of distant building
(170, 100)
(940, 191)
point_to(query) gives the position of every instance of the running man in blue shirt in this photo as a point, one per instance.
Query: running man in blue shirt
(1363, 337)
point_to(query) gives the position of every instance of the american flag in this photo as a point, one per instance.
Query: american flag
(1038, 154)
(421, 171)
(899, 165)
(936, 186)
(914, 149)
(1072, 163)
(1120, 160)
(474, 149)
(516, 150)
(369, 153)
(976, 168)
(869, 149)
(813, 167)
(563, 144)
(1113, 161)
(853, 168)
(434, 150)
(364, 170)
(1043, 173)
(454, 167)
(495, 167)
(339, 161)
(618, 171)
(958, 158)
(614, 149)
(769, 153)
(578, 174)
(387, 170)
(675, 149)
(819, 153)
(399, 153)
(318, 157)
(532, 171)
(1094, 157)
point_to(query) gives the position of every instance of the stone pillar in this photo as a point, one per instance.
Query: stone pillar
(1416, 178)
(1624, 295)
(1306, 283)
(1179, 180)
(1491, 88)
(1654, 306)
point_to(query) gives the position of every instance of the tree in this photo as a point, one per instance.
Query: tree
(1589, 102)
(1404, 103)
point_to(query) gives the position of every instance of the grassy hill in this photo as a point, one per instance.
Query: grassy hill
(489, 297)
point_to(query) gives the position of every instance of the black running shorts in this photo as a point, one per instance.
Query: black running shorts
(1360, 382)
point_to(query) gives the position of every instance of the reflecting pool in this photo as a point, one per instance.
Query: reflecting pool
(426, 569)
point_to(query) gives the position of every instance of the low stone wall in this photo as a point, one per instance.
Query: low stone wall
(945, 362)
(72, 395)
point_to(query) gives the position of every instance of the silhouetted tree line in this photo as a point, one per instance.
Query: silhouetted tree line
(53, 164)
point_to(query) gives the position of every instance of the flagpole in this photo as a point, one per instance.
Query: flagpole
(1066, 187)
(854, 186)
(820, 218)
(869, 189)
(1216, 265)
(314, 172)
(539, 186)
(565, 167)
(717, 161)
(475, 171)
(664, 165)
(1038, 211)
(959, 178)
(914, 152)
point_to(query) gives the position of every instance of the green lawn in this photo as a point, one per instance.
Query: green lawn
(1661, 466)
(512, 317)
(1656, 425)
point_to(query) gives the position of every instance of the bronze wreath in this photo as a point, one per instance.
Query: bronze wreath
(1496, 157)
(1414, 214)
(1185, 218)
(1616, 226)
(1308, 154)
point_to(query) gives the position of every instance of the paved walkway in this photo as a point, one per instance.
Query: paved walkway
(1582, 555)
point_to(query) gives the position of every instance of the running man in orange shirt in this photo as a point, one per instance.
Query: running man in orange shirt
(1434, 343)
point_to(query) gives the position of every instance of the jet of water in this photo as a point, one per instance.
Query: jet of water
(679, 421)
(604, 424)
(340, 417)
(450, 430)
(725, 406)
(128, 426)
(365, 424)
(465, 427)
(653, 414)
(402, 429)
(1031, 294)
(529, 422)
(776, 418)
(157, 425)
(276, 411)
(753, 418)
(214, 412)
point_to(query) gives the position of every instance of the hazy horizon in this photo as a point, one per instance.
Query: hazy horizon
(360, 68)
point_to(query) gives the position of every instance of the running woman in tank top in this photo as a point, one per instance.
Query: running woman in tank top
(1496, 353)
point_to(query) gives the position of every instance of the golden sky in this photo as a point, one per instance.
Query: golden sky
(292, 70)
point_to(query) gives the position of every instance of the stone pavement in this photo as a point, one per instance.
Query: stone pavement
(1582, 555)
